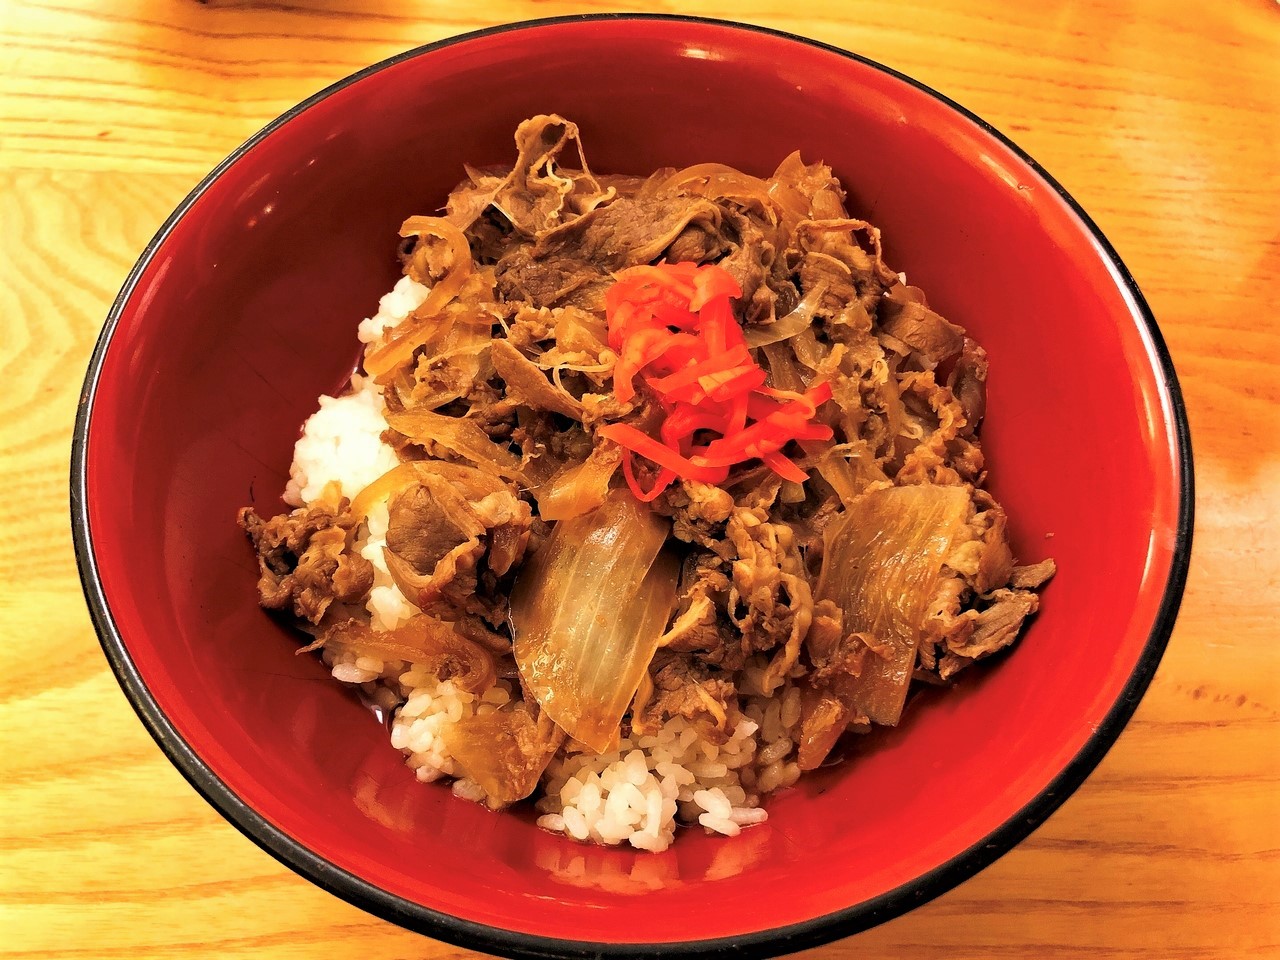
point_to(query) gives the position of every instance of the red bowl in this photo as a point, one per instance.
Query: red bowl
(243, 309)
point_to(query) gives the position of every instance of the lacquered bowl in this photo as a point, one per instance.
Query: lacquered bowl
(243, 310)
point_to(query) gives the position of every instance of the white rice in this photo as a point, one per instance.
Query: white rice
(405, 297)
(341, 445)
(386, 604)
(636, 794)
(430, 707)
(421, 707)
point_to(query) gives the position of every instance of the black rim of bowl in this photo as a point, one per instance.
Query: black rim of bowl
(764, 943)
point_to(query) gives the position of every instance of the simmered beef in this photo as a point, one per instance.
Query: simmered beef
(930, 338)
(438, 532)
(571, 263)
(305, 559)
(698, 693)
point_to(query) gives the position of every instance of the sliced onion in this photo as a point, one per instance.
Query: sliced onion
(714, 180)
(455, 353)
(809, 352)
(833, 468)
(579, 330)
(784, 374)
(580, 488)
(526, 383)
(881, 566)
(421, 640)
(474, 484)
(895, 413)
(587, 613)
(458, 435)
(407, 337)
(848, 467)
(785, 192)
(799, 320)
(505, 751)
(824, 714)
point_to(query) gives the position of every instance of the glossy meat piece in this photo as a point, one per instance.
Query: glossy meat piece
(305, 559)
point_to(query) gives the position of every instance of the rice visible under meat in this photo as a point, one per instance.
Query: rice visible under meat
(341, 444)
(405, 297)
(386, 604)
(634, 794)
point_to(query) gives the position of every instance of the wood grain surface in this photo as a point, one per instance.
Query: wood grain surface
(1162, 118)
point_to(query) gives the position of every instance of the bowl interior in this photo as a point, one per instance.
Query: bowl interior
(246, 312)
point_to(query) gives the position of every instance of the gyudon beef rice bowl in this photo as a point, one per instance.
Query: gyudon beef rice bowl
(647, 490)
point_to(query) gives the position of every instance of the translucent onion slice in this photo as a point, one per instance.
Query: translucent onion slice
(422, 640)
(784, 372)
(881, 565)
(849, 468)
(458, 435)
(527, 384)
(808, 350)
(784, 189)
(587, 613)
(798, 321)
(456, 354)
(579, 488)
(505, 751)
(408, 336)
(579, 330)
(475, 484)
(824, 714)
(715, 180)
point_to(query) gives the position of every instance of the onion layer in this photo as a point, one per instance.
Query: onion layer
(505, 752)
(421, 640)
(587, 613)
(408, 336)
(458, 435)
(475, 484)
(881, 566)
(798, 321)
(580, 488)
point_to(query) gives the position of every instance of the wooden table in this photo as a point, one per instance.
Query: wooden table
(1162, 118)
